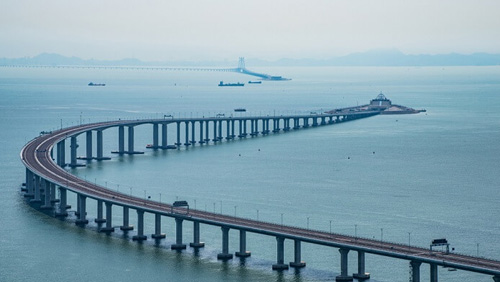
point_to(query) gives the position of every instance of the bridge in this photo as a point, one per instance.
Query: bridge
(240, 69)
(44, 176)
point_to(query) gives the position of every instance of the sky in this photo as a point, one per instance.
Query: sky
(192, 30)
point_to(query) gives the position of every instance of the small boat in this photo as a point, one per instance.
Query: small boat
(221, 83)
(240, 110)
(96, 84)
(254, 82)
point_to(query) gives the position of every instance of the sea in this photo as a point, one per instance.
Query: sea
(407, 179)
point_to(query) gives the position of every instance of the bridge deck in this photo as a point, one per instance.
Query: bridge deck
(36, 156)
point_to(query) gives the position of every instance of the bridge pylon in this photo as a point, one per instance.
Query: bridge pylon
(241, 63)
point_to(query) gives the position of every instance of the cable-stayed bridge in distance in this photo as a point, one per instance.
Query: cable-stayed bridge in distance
(239, 69)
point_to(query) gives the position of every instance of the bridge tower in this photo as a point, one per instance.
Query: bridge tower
(241, 63)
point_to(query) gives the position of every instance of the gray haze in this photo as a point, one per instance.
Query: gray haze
(220, 30)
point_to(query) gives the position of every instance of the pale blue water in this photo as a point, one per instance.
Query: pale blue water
(434, 174)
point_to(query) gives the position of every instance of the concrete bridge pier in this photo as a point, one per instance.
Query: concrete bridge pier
(61, 152)
(131, 141)
(73, 146)
(100, 218)
(186, 131)
(315, 121)
(343, 266)
(201, 133)
(140, 227)
(243, 245)
(331, 121)
(245, 128)
(155, 136)
(323, 121)
(53, 198)
(415, 270)
(252, 127)
(178, 235)
(109, 219)
(30, 185)
(164, 140)
(434, 272)
(37, 187)
(207, 139)
(121, 139)
(193, 136)
(220, 131)
(228, 132)
(240, 123)
(225, 255)
(280, 255)
(47, 204)
(126, 226)
(232, 129)
(296, 123)
(63, 206)
(361, 275)
(196, 236)
(178, 143)
(88, 135)
(267, 127)
(100, 155)
(158, 234)
(215, 132)
(256, 132)
(82, 211)
(306, 122)
(286, 124)
(297, 262)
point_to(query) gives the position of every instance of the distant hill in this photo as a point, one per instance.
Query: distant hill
(369, 58)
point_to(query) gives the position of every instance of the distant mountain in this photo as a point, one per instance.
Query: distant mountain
(369, 58)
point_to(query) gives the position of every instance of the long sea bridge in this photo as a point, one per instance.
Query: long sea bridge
(44, 177)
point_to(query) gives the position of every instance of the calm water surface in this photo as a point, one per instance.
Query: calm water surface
(407, 178)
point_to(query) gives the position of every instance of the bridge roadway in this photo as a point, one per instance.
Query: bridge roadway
(36, 156)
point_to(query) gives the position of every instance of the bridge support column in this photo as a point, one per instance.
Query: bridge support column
(47, 204)
(343, 266)
(196, 236)
(220, 131)
(37, 186)
(415, 270)
(82, 211)
(267, 126)
(240, 123)
(29, 184)
(225, 255)
(361, 275)
(126, 226)
(305, 122)
(256, 127)
(178, 143)
(164, 141)
(178, 235)
(280, 254)
(193, 135)
(201, 133)
(73, 146)
(53, 193)
(158, 234)
(297, 262)
(232, 129)
(245, 128)
(323, 121)
(434, 272)
(155, 136)
(88, 145)
(121, 139)
(140, 227)
(130, 140)
(100, 218)
(252, 127)
(109, 219)
(228, 133)
(186, 143)
(61, 153)
(207, 124)
(215, 132)
(100, 155)
(63, 203)
(243, 245)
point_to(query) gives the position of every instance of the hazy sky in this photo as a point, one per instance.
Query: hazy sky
(265, 29)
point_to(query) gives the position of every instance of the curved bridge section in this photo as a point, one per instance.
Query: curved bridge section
(44, 176)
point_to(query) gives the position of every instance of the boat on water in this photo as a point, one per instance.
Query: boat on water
(254, 82)
(221, 83)
(240, 110)
(96, 84)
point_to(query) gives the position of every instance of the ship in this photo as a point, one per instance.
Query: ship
(240, 110)
(221, 83)
(96, 84)
(254, 82)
